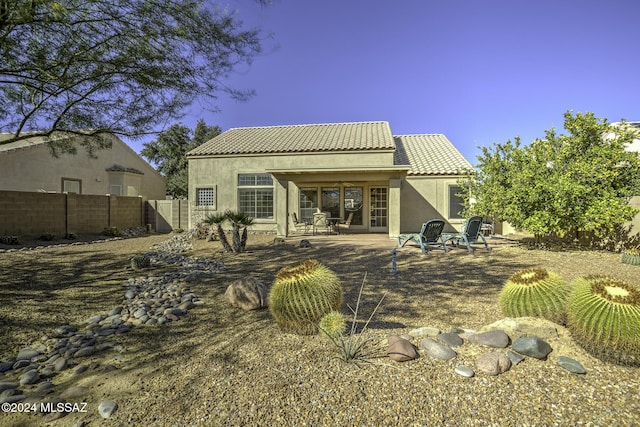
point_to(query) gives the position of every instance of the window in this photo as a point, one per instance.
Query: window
(206, 196)
(115, 190)
(456, 203)
(70, 185)
(308, 203)
(255, 195)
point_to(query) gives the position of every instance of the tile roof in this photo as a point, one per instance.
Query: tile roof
(299, 139)
(429, 154)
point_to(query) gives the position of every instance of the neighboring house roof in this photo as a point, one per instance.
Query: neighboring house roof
(429, 154)
(118, 168)
(299, 139)
(23, 143)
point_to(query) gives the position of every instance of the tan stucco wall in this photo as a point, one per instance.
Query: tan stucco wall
(34, 169)
(221, 173)
(424, 198)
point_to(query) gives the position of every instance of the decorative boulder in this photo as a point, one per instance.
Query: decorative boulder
(247, 293)
(532, 347)
(494, 363)
(400, 349)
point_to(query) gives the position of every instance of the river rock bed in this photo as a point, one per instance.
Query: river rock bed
(152, 300)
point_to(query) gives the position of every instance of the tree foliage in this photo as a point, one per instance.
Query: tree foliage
(169, 150)
(578, 181)
(118, 66)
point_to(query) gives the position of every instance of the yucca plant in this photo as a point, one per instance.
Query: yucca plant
(301, 295)
(354, 347)
(630, 256)
(535, 292)
(239, 221)
(604, 318)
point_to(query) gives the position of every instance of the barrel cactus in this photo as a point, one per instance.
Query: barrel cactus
(604, 318)
(535, 292)
(631, 256)
(302, 295)
(333, 324)
(140, 261)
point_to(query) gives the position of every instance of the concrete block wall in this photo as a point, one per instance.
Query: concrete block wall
(33, 213)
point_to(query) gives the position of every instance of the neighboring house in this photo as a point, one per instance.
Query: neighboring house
(28, 165)
(391, 184)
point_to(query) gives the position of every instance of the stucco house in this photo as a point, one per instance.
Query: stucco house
(391, 184)
(28, 165)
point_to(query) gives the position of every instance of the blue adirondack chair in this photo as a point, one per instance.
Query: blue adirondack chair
(471, 232)
(430, 236)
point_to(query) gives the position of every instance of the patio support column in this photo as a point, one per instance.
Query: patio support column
(394, 207)
(280, 206)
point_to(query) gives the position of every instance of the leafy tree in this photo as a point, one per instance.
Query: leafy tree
(120, 66)
(169, 151)
(579, 181)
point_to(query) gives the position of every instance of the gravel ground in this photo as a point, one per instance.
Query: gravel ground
(222, 366)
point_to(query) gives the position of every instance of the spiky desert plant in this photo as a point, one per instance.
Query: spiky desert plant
(332, 324)
(535, 292)
(604, 318)
(630, 256)
(355, 347)
(216, 220)
(140, 261)
(301, 295)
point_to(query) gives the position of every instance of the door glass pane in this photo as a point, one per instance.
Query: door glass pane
(308, 203)
(331, 201)
(353, 204)
(378, 206)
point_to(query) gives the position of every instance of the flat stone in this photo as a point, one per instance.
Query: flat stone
(425, 331)
(27, 354)
(7, 385)
(187, 305)
(464, 371)
(94, 319)
(115, 311)
(571, 365)
(532, 347)
(80, 369)
(29, 377)
(130, 294)
(494, 363)
(60, 364)
(437, 350)
(451, 339)
(84, 351)
(13, 399)
(107, 408)
(45, 388)
(495, 339)
(6, 366)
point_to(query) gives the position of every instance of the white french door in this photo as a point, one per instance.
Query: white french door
(378, 209)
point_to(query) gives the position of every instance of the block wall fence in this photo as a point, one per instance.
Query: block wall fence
(32, 213)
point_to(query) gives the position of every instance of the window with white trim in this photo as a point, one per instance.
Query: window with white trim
(70, 185)
(255, 195)
(206, 196)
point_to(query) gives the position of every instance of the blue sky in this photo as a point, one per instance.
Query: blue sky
(477, 71)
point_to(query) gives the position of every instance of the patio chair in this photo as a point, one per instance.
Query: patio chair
(430, 236)
(345, 225)
(299, 226)
(471, 232)
(321, 223)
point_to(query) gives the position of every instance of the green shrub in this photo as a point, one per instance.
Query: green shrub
(111, 232)
(604, 318)
(535, 292)
(140, 261)
(631, 256)
(302, 295)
